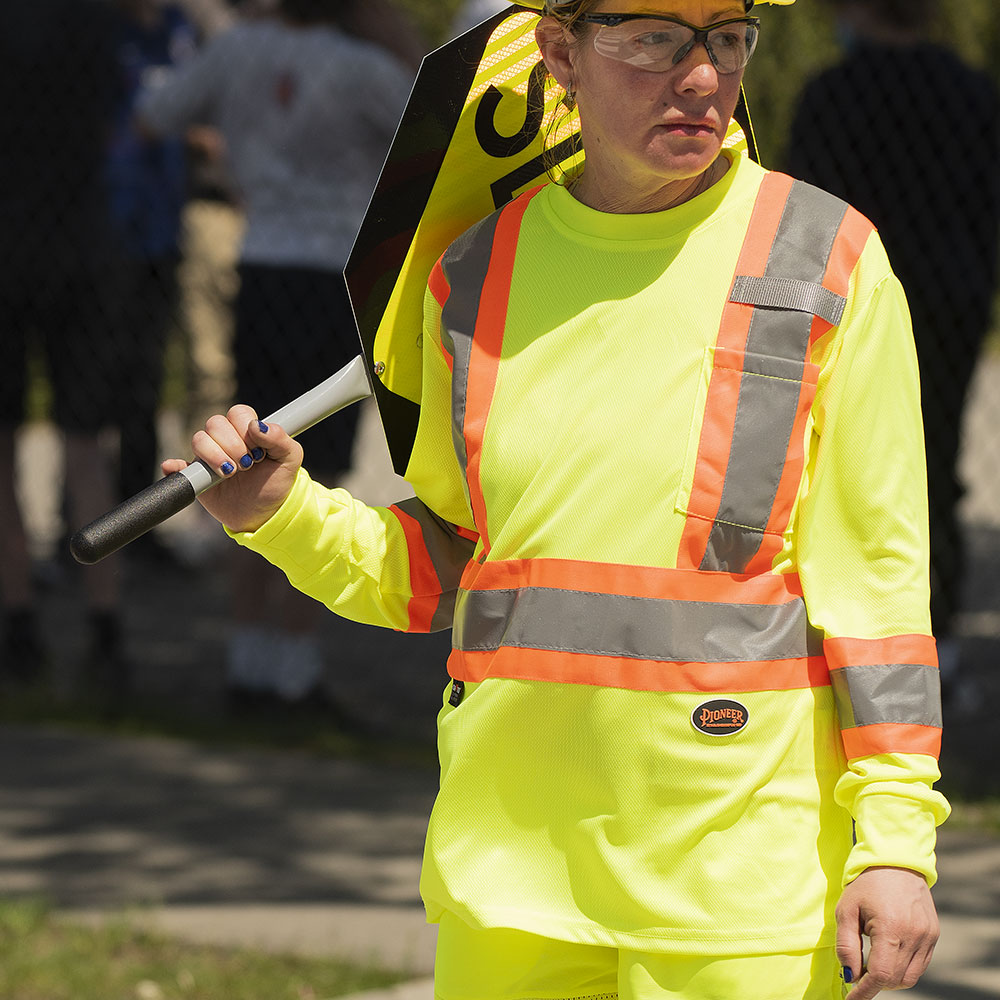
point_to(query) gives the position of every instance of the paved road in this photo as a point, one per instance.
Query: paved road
(287, 851)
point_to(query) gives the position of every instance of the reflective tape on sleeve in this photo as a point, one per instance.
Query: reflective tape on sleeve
(898, 693)
(887, 693)
(438, 555)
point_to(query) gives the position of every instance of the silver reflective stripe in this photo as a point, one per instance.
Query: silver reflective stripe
(449, 554)
(906, 693)
(465, 265)
(777, 346)
(789, 293)
(639, 628)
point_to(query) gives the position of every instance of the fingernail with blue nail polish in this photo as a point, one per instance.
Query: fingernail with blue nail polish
(246, 461)
(848, 975)
(228, 469)
(258, 454)
(262, 427)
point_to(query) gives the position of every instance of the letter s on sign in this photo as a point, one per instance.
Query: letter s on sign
(502, 146)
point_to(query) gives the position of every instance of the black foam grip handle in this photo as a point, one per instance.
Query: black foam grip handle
(132, 518)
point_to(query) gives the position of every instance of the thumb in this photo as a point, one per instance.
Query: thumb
(278, 445)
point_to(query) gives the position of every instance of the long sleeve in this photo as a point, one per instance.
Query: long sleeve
(863, 557)
(397, 566)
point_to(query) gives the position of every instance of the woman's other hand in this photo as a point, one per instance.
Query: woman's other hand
(894, 909)
(257, 462)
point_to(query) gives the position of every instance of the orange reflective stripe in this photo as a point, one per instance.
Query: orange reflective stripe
(724, 387)
(632, 581)
(866, 741)
(852, 238)
(425, 587)
(634, 627)
(440, 289)
(638, 675)
(788, 486)
(723, 391)
(887, 693)
(487, 343)
(764, 222)
(438, 284)
(920, 649)
(752, 447)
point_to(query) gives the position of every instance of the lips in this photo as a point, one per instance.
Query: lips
(693, 129)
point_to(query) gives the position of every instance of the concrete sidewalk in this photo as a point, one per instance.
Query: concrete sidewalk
(289, 852)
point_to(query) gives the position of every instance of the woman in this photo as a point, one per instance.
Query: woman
(670, 499)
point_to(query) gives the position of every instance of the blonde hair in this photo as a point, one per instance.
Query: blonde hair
(569, 12)
(559, 120)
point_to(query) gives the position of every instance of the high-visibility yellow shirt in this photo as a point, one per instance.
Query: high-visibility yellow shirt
(600, 814)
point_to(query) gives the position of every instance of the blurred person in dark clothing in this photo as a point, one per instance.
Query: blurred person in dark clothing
(147, 188)
(910, 136)
(306, 111)
(56, 78)
(388, 25)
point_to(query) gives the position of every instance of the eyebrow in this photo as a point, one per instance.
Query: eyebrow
(719, 15)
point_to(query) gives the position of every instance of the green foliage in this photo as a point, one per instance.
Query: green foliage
(795, 43)
(800, 41)
(45, 958)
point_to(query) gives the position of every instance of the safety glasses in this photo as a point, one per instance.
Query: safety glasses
(657, 43)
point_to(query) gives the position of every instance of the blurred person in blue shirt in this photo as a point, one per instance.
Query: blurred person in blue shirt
(147, 188)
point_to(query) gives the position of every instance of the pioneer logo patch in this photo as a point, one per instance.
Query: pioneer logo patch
(721, 717)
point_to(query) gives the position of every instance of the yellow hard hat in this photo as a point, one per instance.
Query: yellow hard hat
(541, 5)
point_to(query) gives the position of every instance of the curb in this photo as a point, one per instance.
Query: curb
(419, 989)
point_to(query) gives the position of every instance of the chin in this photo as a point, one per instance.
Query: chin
(683, 158)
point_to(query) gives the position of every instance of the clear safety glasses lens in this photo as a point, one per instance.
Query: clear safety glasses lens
(659, 43)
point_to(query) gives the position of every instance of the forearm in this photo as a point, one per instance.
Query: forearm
(397, 567)
(339, 551)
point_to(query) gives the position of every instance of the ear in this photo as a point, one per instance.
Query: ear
(556, 43)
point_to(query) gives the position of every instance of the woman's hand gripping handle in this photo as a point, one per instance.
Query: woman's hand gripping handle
(248, 464)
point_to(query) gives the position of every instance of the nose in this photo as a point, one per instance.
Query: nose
(696, 73)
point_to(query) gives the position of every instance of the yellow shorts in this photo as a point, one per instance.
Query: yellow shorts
(501, 964)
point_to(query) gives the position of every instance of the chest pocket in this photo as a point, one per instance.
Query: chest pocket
(790, 288)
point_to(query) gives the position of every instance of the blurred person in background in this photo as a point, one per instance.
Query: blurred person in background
(386, 24)
(306, 111)
(57, 77)
(209, 16)
(861, 132)
(212, 226)
(147, 181)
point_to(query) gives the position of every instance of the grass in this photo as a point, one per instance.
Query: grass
(44, 957)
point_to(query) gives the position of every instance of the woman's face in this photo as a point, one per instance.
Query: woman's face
(649, 136)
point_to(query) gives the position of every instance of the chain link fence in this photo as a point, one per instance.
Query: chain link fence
(119, 250)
